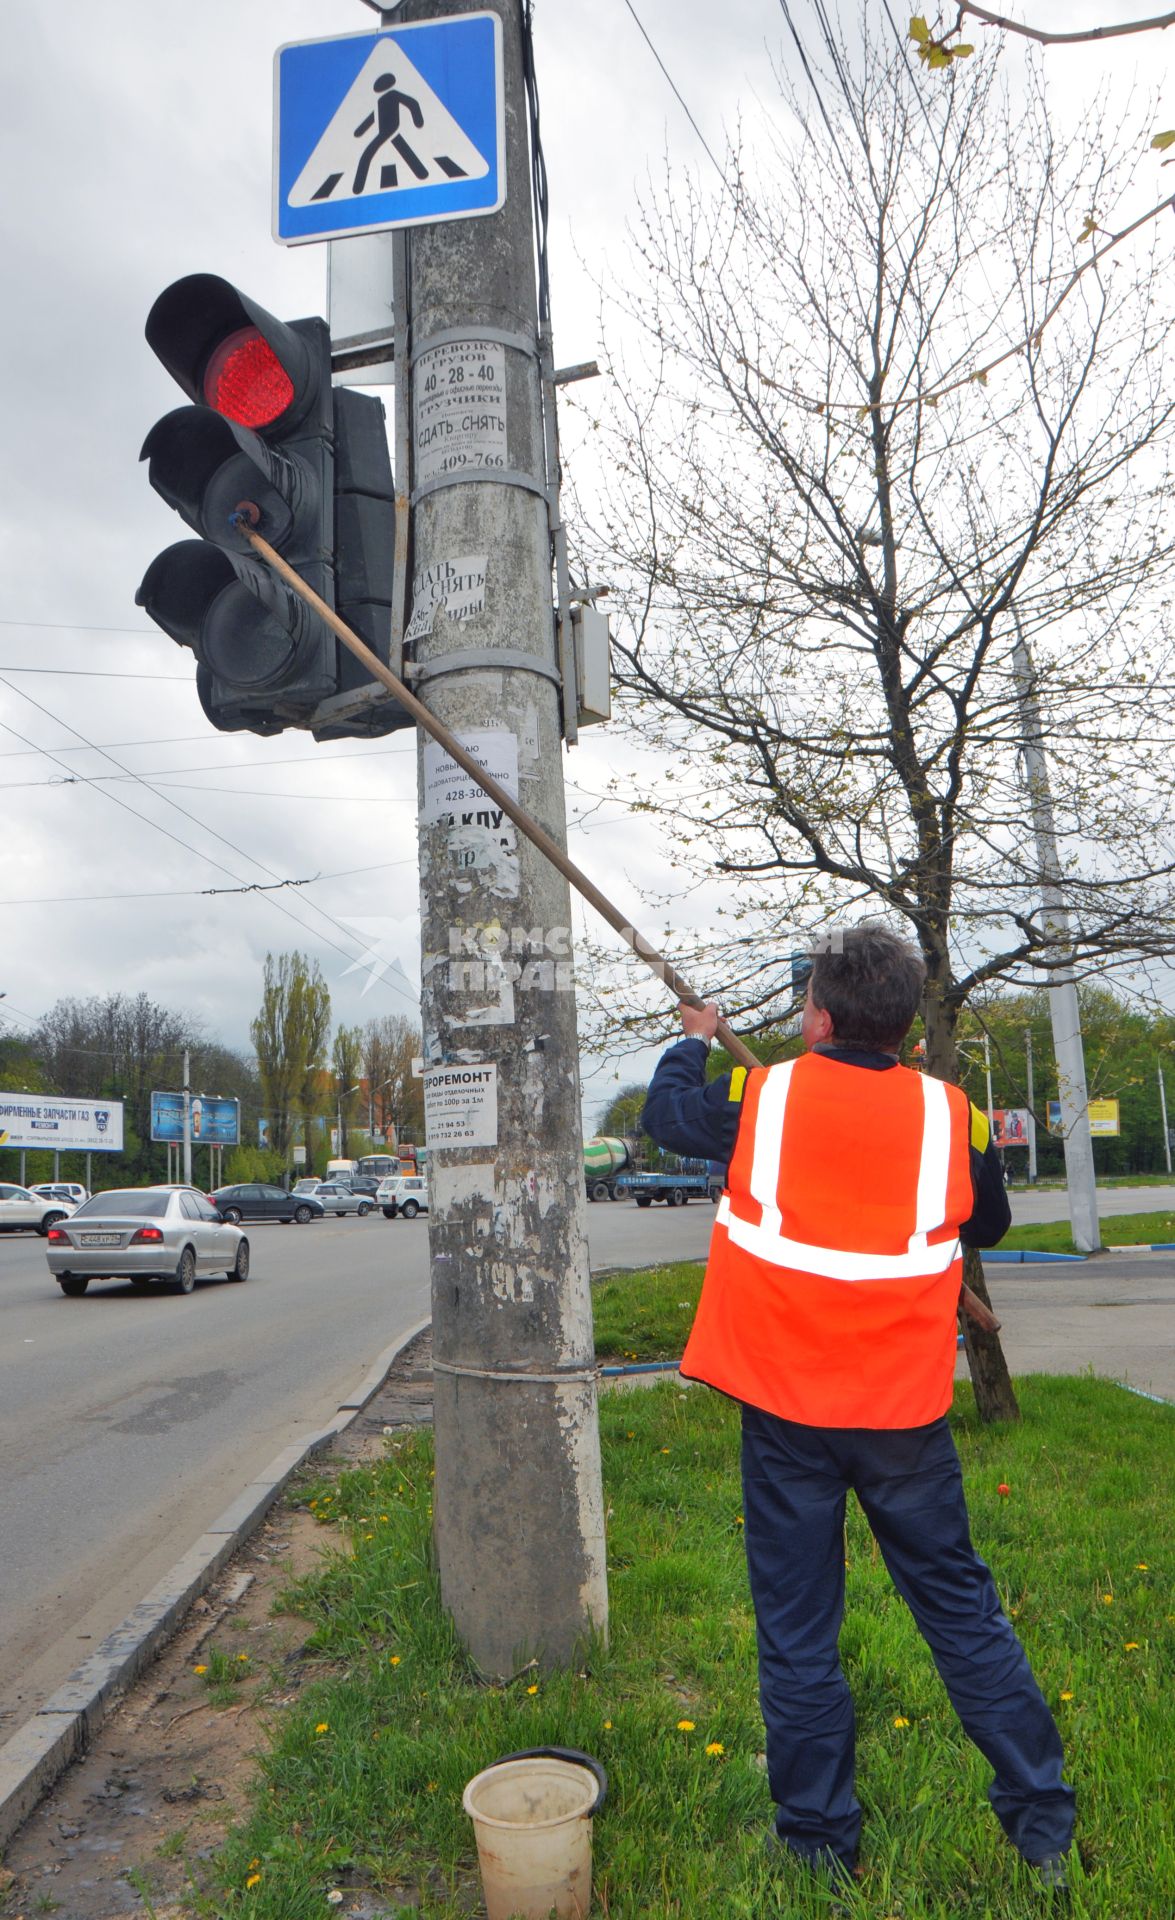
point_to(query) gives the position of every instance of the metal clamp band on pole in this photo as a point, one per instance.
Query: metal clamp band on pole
(527, 1379)
(499, 335)
(471, 658)
(504, 477)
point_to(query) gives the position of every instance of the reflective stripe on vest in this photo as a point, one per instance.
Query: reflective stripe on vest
(767, 1240)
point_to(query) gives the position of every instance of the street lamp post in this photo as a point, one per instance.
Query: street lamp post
(345, 1094)
(1163, 1112)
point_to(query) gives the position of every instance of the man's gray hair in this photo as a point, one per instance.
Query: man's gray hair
(870, 981)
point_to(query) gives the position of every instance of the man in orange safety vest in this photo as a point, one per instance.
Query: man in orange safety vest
(829, 1312)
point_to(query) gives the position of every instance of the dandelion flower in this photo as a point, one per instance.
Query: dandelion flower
(607, 1726)
(252, 1880)
(323, 1727)
(738, 1520)
(199, 1669)
(1141, 1566)
(532, 1689)
(242, 1656)
(900, 1720)
(1130, 1646)
(393, 1660)
(685, 1726)
(1067, 1694)
(1107, 1599)
(430, 1786)
(715, 1746)
(665, 1449)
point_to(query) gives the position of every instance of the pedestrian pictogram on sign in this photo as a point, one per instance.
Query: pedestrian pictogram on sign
(389, 130)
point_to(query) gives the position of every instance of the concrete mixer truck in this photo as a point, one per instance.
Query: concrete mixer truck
(612, 1172)
(603, 1158)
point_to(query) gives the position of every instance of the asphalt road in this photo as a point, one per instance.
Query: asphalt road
(129, 1422)
(1052, 1203)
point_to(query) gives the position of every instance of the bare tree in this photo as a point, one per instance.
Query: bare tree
(828, 536)
(390, 1045)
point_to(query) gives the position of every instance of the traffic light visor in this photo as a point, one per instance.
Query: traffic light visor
(245, 380)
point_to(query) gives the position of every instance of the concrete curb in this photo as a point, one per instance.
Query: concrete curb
(1025, 1256)
(1154, 1246)
(65, 1725)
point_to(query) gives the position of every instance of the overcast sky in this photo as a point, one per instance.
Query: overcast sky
(136, 140)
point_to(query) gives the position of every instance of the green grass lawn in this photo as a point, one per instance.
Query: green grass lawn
(360, 1791)
(1120, 1229)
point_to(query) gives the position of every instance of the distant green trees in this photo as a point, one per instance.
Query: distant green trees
(1125, 1044)
(289, 1036)
(124, 1047)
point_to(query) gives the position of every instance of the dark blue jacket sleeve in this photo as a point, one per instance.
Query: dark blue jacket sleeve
(687, 1114)
(992, 1214)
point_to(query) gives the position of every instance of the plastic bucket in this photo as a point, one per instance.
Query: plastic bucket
(532, 1819)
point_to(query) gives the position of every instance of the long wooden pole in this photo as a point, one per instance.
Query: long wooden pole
(656, 962)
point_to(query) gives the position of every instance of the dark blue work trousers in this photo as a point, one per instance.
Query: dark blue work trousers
(910, 1485)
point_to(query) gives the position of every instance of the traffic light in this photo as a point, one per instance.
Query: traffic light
(269, 433)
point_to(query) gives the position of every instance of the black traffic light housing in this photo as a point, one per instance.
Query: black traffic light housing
(267, 430)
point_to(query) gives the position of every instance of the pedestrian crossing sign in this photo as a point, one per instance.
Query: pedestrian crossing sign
(391, 129)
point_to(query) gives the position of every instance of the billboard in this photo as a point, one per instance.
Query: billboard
(66, 1126)
(1104, 1118)
(215, 1122)
(1010, 1126)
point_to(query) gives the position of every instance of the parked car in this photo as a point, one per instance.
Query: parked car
(23, 1211)
(306, 1186)
(71, 1191)
(255, 1201)
(335, 1198)
(142, 1234)
(405, 1193)
(360, 1183)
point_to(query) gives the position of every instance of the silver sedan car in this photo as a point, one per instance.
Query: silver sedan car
(143, 1234)
(341, 1200)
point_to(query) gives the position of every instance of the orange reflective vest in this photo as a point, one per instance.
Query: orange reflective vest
(832, 1286)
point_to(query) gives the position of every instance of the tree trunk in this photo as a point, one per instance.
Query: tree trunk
(995, 1396)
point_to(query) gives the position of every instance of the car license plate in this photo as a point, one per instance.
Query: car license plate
(101, 1239)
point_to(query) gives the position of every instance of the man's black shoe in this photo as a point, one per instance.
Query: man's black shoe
(1052, 1872)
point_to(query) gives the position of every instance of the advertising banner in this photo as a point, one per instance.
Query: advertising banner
(1104, 1118)
(215, 1122)
(67, 1126)
(263, 1133)
(1011, 1126)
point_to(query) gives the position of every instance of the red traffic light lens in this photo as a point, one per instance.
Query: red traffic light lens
(246, 381)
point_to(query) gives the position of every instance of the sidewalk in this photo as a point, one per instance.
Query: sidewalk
(1113, 1315)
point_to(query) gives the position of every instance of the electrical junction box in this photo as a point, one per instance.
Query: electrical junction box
(593, 664)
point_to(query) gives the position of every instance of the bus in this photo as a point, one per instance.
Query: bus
(377, 1166)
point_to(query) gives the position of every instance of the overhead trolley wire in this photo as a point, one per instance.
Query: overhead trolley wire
(673, 84)
(376, 972)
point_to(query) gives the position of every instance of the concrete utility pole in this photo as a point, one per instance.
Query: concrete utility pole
(1064, 1011)
(519, 1507)
(1163, 1112)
